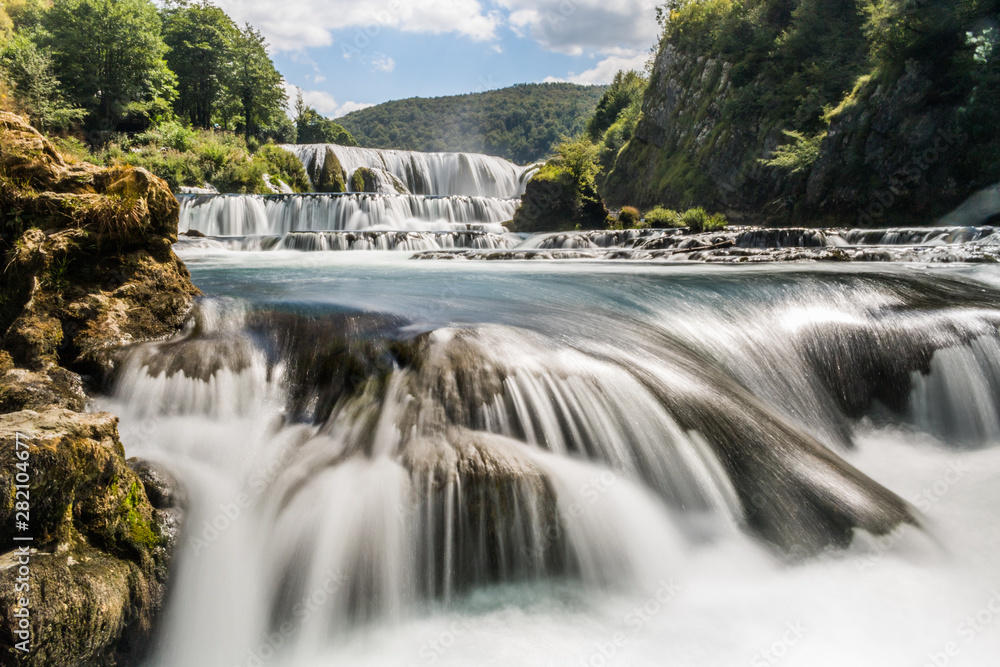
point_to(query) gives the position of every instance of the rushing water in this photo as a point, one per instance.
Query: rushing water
(399, 462)
(239, 215)
(421, 173)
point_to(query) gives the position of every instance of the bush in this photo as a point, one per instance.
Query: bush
(185, 157)
(169, 134)
(663, 217)
(628, 217)
(698, 220)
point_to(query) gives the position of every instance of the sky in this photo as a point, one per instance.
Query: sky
(350, 54)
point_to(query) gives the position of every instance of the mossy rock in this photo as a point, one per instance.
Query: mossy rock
(88, 269)
(89, 264)
(332, 177)
(364, 180)
(100, 564)
(553, 202)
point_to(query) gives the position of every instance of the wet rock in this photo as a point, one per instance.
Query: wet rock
(97, 566)
(162, 488)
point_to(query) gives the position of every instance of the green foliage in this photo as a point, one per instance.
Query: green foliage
(523, 123)
(169, 134)
(626, 91)
(797, 156)
(255, 85)
(698, 220)
(201, 39)
(284, 165)
(660, 217)
(36, 89)
(109, 58)
(628, 217)
(579, 158)
(312, 128)
(185, 157)
(619, 134)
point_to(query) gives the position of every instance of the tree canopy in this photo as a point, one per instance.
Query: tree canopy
(109, 58)
(201, 39)
(312, 128)
(107, 66)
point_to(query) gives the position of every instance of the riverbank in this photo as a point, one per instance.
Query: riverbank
(89, 269)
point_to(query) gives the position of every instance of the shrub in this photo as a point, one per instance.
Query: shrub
(628, 217)
(663, 217)
(698, 220)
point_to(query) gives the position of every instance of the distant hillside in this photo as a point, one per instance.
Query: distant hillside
(522, 123)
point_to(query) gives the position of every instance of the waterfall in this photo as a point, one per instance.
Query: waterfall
(469, 174)
(242, 215)
(378, 453)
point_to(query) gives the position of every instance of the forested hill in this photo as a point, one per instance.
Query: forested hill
(522, 123)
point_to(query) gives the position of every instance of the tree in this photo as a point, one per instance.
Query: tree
(36, 88)
(109, 58)
(200, 38)
(254, 84)
(626, 90)
(312, 128)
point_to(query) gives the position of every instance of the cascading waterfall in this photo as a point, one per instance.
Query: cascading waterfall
(422, 173)
(365, 447)
(362, 240)
(242, 215)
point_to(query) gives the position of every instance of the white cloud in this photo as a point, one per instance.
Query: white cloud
(605, 70)
(577, 26)
(383, 63)
(322, 101)
(348, 107)
(566, 26)
(300, 24)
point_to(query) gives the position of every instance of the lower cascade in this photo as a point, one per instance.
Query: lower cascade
(376, 453)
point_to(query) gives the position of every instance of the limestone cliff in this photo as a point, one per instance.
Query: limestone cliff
(868, 139)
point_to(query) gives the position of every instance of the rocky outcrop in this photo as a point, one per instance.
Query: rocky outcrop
(900, 148)
(100, 551)
(88, 269)
(331, 177)
(554, 202)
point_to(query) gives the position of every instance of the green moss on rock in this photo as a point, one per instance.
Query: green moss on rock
(555, 201)
(332, 177)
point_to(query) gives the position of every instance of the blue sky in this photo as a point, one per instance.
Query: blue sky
(349, 54)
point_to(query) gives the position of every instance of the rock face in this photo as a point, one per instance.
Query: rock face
(89, 269)
(897, 150)
(552, 202)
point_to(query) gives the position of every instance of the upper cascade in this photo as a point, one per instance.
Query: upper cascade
(350, 169)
